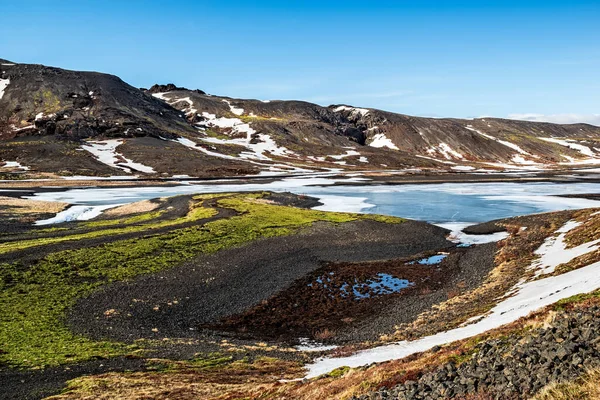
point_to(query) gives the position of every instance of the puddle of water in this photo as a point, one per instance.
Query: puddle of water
(433, 260)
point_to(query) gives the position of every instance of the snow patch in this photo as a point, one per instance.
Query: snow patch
(380, 140)
(105, 152)
(463, 168)
(3, 84)
(445, 150)
(14, 164)
(458, 236)
(554, 252)
(503, 142)
(353, 110)
(76, 213)
(574, 146)
(235, 110)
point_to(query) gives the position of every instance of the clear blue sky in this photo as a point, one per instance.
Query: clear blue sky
(444, 58)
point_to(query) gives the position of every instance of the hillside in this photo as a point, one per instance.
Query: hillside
(57, 122)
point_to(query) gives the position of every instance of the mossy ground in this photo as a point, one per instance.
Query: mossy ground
(35, 296)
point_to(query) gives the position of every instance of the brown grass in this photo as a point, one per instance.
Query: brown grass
(27, 210)
(324, 334)
(138, 207)
(586, 387)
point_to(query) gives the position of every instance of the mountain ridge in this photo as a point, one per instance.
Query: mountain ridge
(172, 130)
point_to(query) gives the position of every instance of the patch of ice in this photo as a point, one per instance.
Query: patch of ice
(380, 140)
(343, 203)
(458, 236)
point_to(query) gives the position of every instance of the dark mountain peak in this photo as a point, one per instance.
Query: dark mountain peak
(170, 87)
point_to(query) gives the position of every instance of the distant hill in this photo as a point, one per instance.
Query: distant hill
(55, 121)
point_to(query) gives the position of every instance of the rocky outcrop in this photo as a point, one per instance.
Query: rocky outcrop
(169, 87)
(514, 367)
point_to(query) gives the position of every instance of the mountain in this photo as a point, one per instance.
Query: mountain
(60, 122)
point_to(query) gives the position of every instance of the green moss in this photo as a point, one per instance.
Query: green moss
(338, 372)
(578, 298)
(384, 218)
(216, 135)
(35, 298)
(136, 219)
(194, 215)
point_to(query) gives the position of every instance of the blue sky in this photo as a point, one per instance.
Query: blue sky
(428, 58)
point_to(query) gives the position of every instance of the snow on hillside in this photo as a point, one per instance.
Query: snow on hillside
(14, 164)
(525, 297)
(233, 109)
(354, 111)
(105, 151)
(380, 140)
(586, 151)
(3, 84)
(446, 151)
(503, 142)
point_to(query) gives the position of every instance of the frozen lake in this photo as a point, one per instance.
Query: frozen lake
(436, 203)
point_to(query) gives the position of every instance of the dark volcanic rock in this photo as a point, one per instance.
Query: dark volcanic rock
(169, 87)
(513, 367)
(82, 104)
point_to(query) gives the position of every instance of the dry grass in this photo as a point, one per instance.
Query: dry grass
(324, 334)
(586, 387)
(27, 210)
(138, 207)
(183, 381)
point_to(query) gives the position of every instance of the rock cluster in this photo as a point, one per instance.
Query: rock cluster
(516, 366)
